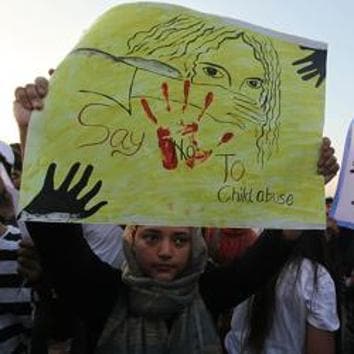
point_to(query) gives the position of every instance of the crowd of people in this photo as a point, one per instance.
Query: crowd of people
(138, 289)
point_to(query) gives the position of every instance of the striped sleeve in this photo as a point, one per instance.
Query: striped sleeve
(15, 300)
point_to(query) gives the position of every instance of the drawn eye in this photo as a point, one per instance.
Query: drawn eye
(254, 82)
(213, 72)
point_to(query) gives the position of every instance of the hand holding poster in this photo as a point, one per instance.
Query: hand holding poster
(183, 118)
(343, 205)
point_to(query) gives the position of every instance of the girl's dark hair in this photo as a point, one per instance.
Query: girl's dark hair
(7, 166)
(16, 149)
(311, 245)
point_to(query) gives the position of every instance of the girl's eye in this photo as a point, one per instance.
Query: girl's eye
(213, 72)
(180, 241)
(254, 82)
(151, 237)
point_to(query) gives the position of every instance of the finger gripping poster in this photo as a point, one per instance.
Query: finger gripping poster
(164, 115)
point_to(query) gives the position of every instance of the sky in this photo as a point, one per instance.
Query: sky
(36, 35)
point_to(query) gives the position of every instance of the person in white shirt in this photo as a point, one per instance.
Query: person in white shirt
(295, 313)
(105, 240)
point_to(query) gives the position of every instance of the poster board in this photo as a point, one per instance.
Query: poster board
(184, 118)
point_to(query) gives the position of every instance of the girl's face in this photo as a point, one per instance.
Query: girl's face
(162, 252)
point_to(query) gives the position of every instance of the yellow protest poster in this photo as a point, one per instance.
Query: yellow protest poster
(164, 115)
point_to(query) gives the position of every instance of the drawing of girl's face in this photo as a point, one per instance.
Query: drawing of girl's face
(227, 85)
(234, 69)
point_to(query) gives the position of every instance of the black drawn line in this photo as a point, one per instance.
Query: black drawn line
(152, 29)
(82, 122)
(135, 62)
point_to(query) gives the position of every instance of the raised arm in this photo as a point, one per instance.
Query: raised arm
(78, 276)
(27, 99)
(225, 287)
(88, 285)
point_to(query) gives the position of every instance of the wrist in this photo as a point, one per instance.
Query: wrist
(22, 125)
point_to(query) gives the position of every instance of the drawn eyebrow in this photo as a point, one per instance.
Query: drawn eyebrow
(220, 67)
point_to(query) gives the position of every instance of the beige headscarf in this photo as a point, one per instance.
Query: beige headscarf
(197, 261)
(138, 322)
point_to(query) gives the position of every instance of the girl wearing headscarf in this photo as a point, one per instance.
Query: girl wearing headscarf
(162, 301)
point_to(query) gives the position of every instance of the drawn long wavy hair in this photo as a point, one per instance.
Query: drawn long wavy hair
(183, 39)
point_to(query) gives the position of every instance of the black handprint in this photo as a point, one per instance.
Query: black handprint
(316, 65)
(63, 200)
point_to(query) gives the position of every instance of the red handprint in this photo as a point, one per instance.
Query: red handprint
(166, 142)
